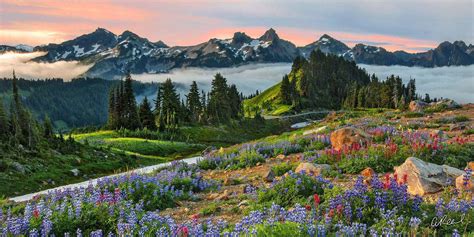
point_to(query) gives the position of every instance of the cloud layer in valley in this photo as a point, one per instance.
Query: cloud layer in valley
(32, 70)
(448, 82)
(248, 78)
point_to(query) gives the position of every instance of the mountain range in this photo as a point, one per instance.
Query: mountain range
(112, 55)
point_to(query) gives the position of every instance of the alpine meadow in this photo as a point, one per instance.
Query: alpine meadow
(236, 118)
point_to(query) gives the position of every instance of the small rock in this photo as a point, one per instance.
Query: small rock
(464, 183)
(18, 167)
(258, 164)
(310, 168)
(458, 127)
(75, 172)
(417, 106)
(269, 176)
(367, 173)
(281, 157)
(470, 165)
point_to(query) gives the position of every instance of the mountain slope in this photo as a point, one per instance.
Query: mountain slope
(325, 44)
(113, 55)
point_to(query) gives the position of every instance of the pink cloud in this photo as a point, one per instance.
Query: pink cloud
(172, 22)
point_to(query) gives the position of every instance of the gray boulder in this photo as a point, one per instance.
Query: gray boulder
(424, 177)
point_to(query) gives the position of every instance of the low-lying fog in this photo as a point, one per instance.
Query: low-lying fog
(32, 70)
(448, 82)
(248, 78)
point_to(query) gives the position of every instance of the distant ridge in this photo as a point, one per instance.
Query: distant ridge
(113, 55)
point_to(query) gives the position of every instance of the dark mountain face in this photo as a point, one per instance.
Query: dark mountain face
(114, 55)
(13, 49)
(446, 54)
(82, 47)
(141, 56)
(372, 55)
(327, 45)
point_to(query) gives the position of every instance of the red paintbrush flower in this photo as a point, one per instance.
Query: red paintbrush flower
(316, 199)
(36, 213)
(308, 207)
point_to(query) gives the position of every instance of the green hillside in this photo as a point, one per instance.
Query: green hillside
(268, 101)
(329, 82)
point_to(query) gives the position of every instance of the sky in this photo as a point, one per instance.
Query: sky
(411, 25)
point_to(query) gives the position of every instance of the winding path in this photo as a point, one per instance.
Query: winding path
(300, 114)
(144, 170)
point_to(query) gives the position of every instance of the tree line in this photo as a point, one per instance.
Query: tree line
(222, 104)
(329, 81)
(69, 104)
(18, 128)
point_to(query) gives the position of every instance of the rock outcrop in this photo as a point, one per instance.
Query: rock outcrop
(312, 169)
(345, 137)
(424, 177)
(417, 106)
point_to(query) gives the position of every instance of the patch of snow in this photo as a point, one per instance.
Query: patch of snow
(255, 43)
(78, 50)
(266, 44)
(24, 47)
(65, 54)
(93, 50)
(148, 53)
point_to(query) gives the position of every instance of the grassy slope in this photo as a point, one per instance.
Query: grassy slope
(144, 148)
(30, 171)
(269, 96)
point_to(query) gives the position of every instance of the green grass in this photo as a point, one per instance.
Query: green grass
(145, 148)
(50, 168)
(153, 147)
(266, 100)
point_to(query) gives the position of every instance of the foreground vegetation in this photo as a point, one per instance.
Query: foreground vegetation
(230, 192)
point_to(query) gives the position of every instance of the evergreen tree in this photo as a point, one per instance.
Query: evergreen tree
(112, 116)
(219, 106)
(411, 90)
(285, 91)
(47, 128)
(193, 101)
(203, 117)
(4, 124)
(158, 101)
(130, 113)
(427, 98)
(170, 106)
(147, 118)
(235, 102)
(23, 126)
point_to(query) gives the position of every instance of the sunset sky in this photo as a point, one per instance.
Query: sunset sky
(394, 24)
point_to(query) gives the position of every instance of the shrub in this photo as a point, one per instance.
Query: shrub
(282, 168)
(292, 189)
